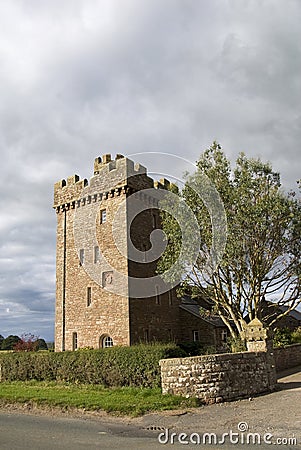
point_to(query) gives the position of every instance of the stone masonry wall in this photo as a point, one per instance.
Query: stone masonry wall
(190, 323)
(287, 357)
(107, 313)
(216, 378)
(96, 269)
(79, 204)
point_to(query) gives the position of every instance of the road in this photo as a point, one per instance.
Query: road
(274, 418)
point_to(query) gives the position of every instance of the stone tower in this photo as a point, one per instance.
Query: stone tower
(107, 292)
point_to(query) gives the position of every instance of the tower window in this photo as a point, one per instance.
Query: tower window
(81, 256)
(89, 296)
(74, 341)
(107, 342)
(103, 216)
(170, 298)
(144, 252)
(196, 335)
(154, 219)
(146, 335)
(96, 255)
(158, 300)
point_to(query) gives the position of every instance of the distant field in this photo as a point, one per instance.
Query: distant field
(127, 400)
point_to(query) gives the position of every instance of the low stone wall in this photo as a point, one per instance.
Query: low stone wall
(287, 357)
(218, 378)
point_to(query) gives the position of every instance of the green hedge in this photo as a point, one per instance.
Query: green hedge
(117, 366)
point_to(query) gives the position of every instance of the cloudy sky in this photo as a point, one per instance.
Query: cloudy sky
(82, 78)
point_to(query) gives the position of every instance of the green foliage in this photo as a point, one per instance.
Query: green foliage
(127, 400)
(117, 366)
(210, 350)
(41, 344)
(285, 336)
(50, 346)
(296, 336)
(27, 343)
(236, 344)
(262, 251)
(282, 337)
(9, 342)
(192, 348)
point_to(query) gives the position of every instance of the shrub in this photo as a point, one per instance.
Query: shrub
(117, 366)
(41, 344)
(192, 348)
(9, 342)
(236, 344)
(282, 337)
(296, 336)
(27, 343)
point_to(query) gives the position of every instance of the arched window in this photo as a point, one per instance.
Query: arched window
(107, 341)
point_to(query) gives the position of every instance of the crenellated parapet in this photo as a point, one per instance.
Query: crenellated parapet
(100, 163)
(87, 199)
(66, 192)
(111, 178)
(163, 183)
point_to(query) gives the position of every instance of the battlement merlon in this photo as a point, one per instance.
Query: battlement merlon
(67, 192)
(99, 162)
(112, 174)
(163, 183)
(108, 174)
(129, 169)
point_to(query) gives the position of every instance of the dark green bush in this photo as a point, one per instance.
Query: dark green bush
(9, 342)
(236, 344)
(192, 348)
(117, 366)
(282, 337)
(296, 336)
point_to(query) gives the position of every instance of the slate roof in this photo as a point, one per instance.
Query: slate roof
(192, 306)
(294, 313)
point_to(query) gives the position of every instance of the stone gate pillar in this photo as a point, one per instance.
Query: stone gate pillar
(258, 340)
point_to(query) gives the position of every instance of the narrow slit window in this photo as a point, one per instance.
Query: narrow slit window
(154, 218)
(96, 254)
(170, 298)
(103, 216)
(81, 256)
(158, 300)
(146, 335)
(144, 253)
(89, 296)
(74, 341)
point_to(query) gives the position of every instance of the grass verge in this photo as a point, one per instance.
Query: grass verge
(127, 400)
